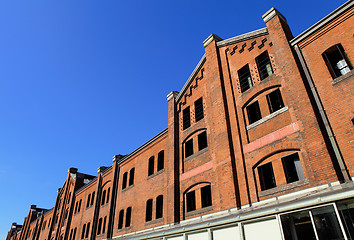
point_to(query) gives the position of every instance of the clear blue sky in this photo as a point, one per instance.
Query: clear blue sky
(83, 80)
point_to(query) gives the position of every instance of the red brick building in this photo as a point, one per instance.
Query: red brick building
(259, 145)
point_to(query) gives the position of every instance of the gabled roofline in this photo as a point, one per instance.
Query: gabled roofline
(86, 185)
(191, 78)
(322, 22)
(142, 146)
(243, 37)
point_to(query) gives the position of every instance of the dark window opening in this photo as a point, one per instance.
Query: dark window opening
(188, 148)
(125, 176)
(292, 168)
(99, 227)
(266, 176)
(87, 230)
(103, 201)
(148, 215)
(83, 231)
(191, 204)
(108, 192)
(79, 206)
(74, 235)
(253, 112)
(88, 200)
(186, 118)
(131, 176)
(159, 207)
(76, 205)
(104, 225)
(92, 198)
(160, 160)
(128, 217)
(151, 166)
(202, 141)
(275, 101)
(264, 65)
(337, 61)
(206, 196)
(198, 108)
(245, 79)
(120, 220)
(71, 234)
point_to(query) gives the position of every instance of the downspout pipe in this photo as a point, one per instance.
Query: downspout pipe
(323, 116)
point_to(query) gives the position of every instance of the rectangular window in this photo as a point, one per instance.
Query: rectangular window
(131, 176)
(160, 160)
(202, 141)
(198, 107)
(336, 61)
(191, 204)
(206, 196)
(275, 101)
(148, 215)
(186, 118)
(151, 166)
(253, 112)
(264, 65)
(188, 148)
(292, 168)
(244, 76)
(266, 176)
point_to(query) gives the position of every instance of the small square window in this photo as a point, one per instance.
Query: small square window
(264, 65)
(188, 148)
(202, 141)
(253, 112)
(266, 176)
(275, 101)
(186, 118)
(191, 204)
(292, 168)
(245, 79)
(198, 107)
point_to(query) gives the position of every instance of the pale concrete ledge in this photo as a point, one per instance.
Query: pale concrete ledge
(272, 13)
(211, 38)
(266, 118)
(343, 77)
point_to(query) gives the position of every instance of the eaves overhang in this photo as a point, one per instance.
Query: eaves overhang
(243, 37)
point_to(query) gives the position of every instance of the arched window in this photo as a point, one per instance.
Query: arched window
(337, 61)
(128, 216)
(151, 166)
(87, 230)
(103, 201)
(108, 192)
(76, 206)
(120, 220)
(83, 231)
(131, 176)
(92, 198)
(159, 207)
(160, 160)
(99, 226)
(74, 235)
(88, 200)
(148, 215)
(200, 191)
(79, 206)
(71, 234)
(125, 177)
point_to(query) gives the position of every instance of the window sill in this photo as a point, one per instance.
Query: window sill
(100, 235)
(199, 211)
(103, 205)
(156, 173)
(266, 118)
(127, 188)
(283, 188)
(343, 77)
(195, 154)
(89, 207)
(154, 221)
(124, 229)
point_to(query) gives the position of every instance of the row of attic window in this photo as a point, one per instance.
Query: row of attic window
(334, 57)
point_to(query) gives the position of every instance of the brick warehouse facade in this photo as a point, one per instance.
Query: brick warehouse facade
(259, 145)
